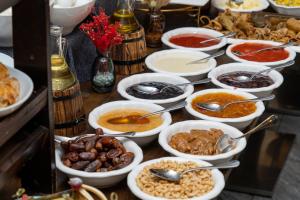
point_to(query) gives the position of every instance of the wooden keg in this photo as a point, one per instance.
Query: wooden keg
(69, 115)
(129, 57)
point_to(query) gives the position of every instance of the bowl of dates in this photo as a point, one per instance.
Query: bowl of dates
(99, 161)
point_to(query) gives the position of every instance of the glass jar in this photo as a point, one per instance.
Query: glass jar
(62, 77)
(103, 77)
(124, 15)
(155, 28)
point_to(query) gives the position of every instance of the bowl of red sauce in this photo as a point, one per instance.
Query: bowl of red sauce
(247, 52)
(192, 38)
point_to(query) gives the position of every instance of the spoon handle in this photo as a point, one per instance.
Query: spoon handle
(59, 139)
(230, 34)
(225, 165)
(268, 98)
(265, 124)
(214, 55)
(206, 80)
(174, 107)
(292, 62)
(275, 47)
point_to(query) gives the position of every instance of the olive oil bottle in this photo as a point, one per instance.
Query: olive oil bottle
(62, 77)
(125, 16)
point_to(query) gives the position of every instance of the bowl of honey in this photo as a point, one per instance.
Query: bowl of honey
(239, 115)
(126, 116)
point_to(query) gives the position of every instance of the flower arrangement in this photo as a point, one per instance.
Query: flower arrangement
(103, 34)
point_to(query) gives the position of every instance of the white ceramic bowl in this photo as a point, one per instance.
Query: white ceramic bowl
(186, 126)
(26, 88)
(192, 76)
(159, 77)
(166, 37)
(142, 138)
(240, 122)
(291, 52)
(286, 10)
(217, 176)
(102, 179)
(234, 67)
(6, 33)
(221, 6)
(69, 17)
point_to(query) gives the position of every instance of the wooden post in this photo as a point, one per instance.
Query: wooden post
(32, 56)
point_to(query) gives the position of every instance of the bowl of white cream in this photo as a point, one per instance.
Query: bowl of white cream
(177, 62)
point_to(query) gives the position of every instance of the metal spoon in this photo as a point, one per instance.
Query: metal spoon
(149, 89)
(203, 60)
(217, 107)
(237, 53)
(226, 143)
(230, 34)
(60, 139)
(172, 175)
(246, 78)
(174, 107)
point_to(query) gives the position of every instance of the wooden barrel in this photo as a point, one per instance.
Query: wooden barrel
(129, 57)
(69, 115)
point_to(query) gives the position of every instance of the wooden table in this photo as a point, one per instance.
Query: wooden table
(153, 150)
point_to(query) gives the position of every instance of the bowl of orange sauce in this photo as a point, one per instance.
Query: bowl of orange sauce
(268, 57)
(190, 38)
(237, 115)
(125, 116)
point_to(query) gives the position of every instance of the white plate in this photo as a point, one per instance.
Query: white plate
(26, 88)
(234, 41)
(7, 60)
(286, 10)
(221, 5)
(189, 2)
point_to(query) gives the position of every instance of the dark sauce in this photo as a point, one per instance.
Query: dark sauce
(258, 81)
(167, 93)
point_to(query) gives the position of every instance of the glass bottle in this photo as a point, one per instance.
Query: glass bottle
(125, 16)
(62, 77)
(155, 28)
(103, 77)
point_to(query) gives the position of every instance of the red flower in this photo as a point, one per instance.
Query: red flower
(103, 34)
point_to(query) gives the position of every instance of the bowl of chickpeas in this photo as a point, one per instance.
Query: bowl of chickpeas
(196, 185)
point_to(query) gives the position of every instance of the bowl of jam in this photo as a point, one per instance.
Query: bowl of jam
(167, 95)
(247, 52)
(192, 38)
(225, 76)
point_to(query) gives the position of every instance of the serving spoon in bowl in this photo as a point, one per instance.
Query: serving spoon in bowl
(205, 59)
(230, 34)
(227, 143)
(211, 106)
(243, 78)
(59, 139)
(137, 119)
(149, 89)
(172, 175)
(238, 53)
